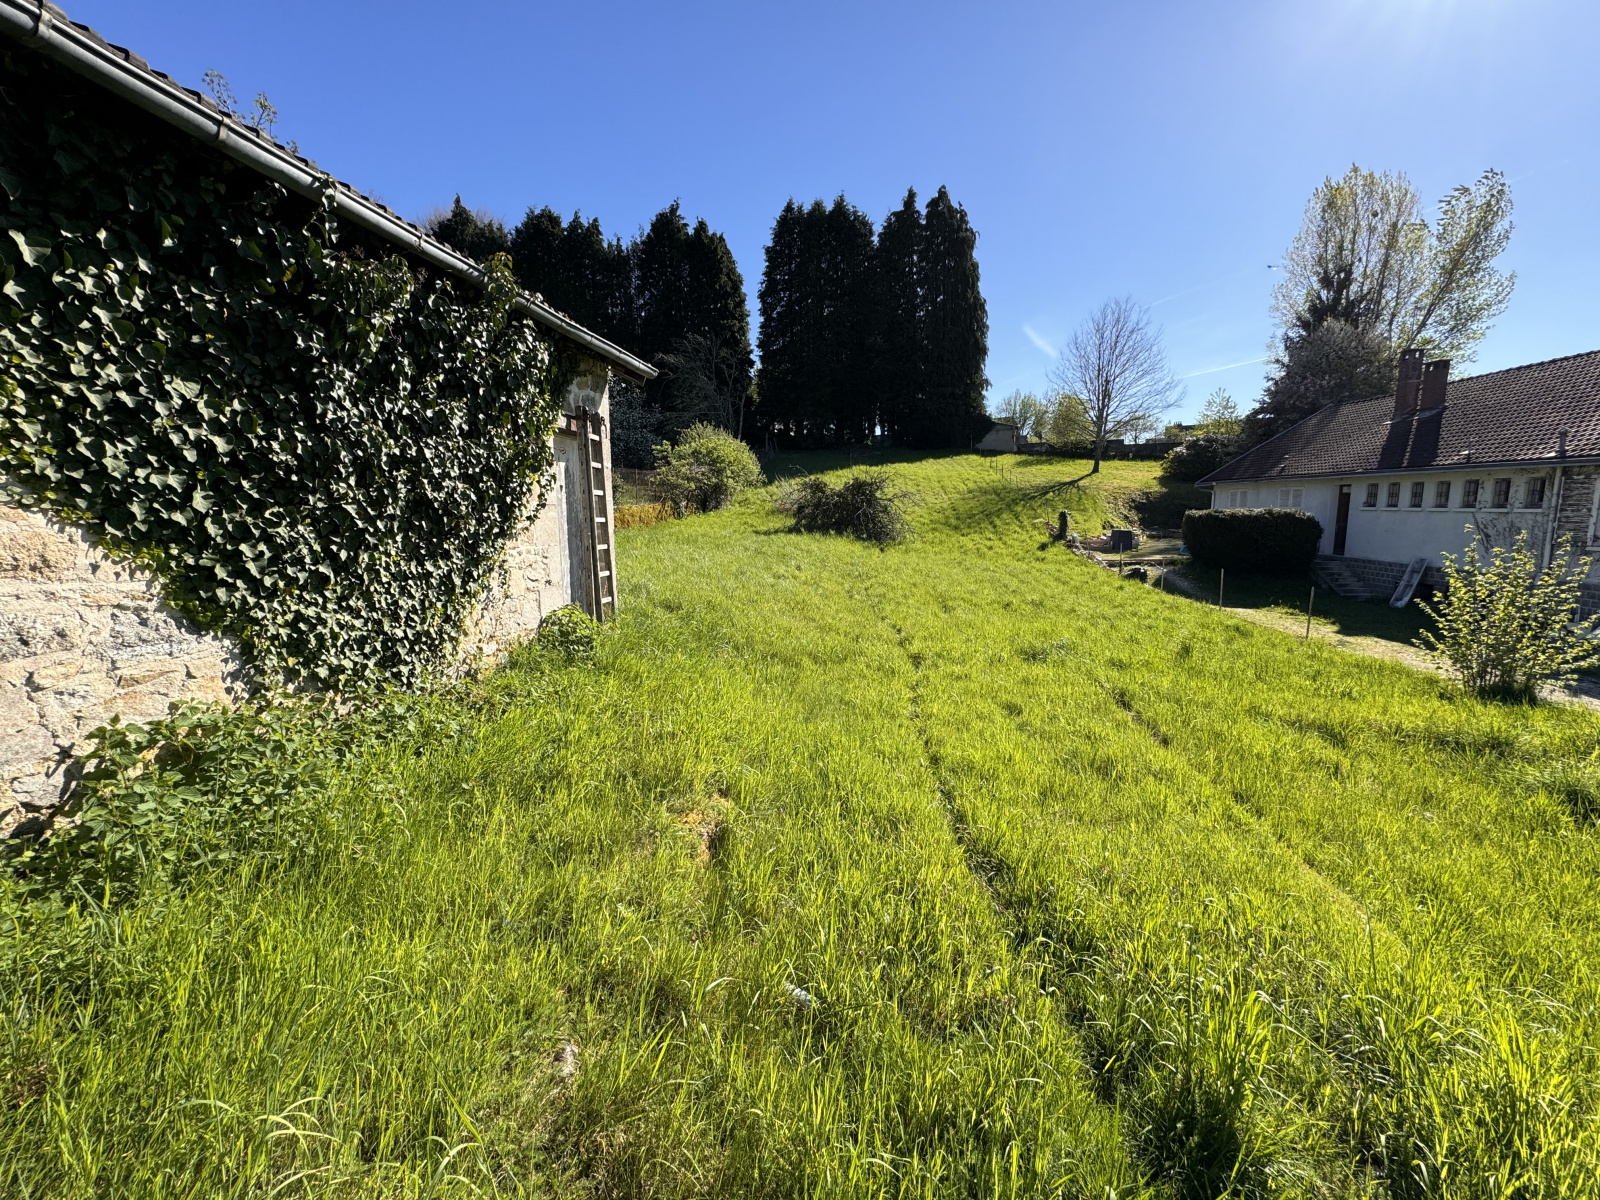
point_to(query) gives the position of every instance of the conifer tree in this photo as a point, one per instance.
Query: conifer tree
(901, 345)
(577, 271)
(818, 326)
(956, 323)
(474, 234)
(688, 286)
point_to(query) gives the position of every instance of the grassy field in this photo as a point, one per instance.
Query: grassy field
(961, 868)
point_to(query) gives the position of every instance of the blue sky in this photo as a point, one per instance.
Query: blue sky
(1159, 150)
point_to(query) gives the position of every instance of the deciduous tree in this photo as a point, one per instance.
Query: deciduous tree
(1367, 256)
(1116, 364)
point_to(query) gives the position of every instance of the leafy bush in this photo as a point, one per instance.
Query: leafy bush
(1270, 541)
(570, 633)
(862, 506)
(705, 470)
(1199, 456)
(199, 789)
(1505, 626)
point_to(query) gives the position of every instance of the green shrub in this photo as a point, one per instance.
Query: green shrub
(705, 470)
(1199, 456)
(1506, 626)
(201, 788)
(862, 506)
(1269, 541)
(570, 633)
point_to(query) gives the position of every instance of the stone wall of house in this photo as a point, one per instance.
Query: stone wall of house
(84, 637)
(547, 564)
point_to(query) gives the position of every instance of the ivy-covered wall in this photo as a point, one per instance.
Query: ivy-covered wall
(316, 451)
(319, 450)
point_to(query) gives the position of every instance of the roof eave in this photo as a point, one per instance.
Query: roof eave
(47, 29)
(1572, 460)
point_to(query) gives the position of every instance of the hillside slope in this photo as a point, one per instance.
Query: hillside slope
(957, 868)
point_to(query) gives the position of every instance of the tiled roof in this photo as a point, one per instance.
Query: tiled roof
(1503, 417)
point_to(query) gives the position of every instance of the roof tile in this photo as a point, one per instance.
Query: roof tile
(1502, 417)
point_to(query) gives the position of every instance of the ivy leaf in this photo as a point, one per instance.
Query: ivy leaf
(35, 246)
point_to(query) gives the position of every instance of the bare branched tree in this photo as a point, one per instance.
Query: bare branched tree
(1116, 365)
(707, 380)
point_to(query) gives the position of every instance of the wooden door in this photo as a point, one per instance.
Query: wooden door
(1341, 522)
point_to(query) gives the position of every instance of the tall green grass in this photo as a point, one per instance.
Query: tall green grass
(958, 868)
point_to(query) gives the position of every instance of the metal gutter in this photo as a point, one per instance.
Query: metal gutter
(44, 27)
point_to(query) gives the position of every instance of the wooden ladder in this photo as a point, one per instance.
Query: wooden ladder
(597, 483)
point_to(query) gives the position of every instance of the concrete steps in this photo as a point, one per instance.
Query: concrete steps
(1335, 574)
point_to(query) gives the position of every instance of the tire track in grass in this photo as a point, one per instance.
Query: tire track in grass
(1192, 1132)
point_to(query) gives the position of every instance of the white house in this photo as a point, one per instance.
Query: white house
(1440, 465)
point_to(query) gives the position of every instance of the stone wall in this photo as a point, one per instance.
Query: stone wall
(84, 637)
(547, 565)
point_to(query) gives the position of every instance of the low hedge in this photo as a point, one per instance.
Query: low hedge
(1269, 541)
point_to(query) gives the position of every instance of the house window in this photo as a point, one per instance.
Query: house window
(1441, 494)
(1291, 497)
(1372, 496)
(1239, 498)
(1533, 494)
(1417, 490)
(1469, 493)
(1502, 494)
(1392, 500)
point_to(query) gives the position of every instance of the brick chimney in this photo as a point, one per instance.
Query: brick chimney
(1406, 395)
(1434, 378)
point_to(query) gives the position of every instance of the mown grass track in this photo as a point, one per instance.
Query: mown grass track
(1096, 892)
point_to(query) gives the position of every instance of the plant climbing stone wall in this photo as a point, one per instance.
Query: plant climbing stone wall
(240, 445)
(317, 449)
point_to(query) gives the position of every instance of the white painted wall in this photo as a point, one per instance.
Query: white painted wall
(1404, 532)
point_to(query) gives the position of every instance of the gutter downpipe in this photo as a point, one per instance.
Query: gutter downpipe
(37, 23)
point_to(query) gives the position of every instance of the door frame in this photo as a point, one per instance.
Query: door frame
(1341, 519)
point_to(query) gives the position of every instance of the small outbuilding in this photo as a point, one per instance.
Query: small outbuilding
(86, 632)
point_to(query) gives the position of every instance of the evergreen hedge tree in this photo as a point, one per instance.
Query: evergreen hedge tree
(474, 234)
(901, 329)
(956, 323)
(818, 325)
(577, 272)
(687, 286)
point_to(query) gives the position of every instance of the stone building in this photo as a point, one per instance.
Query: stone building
(84, 636)
(1441, 464)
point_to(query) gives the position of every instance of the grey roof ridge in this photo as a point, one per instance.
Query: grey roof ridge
(45, 27)
(1503, 464)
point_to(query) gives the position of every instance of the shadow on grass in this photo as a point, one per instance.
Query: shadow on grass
(794, 463)
(1349, 618)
